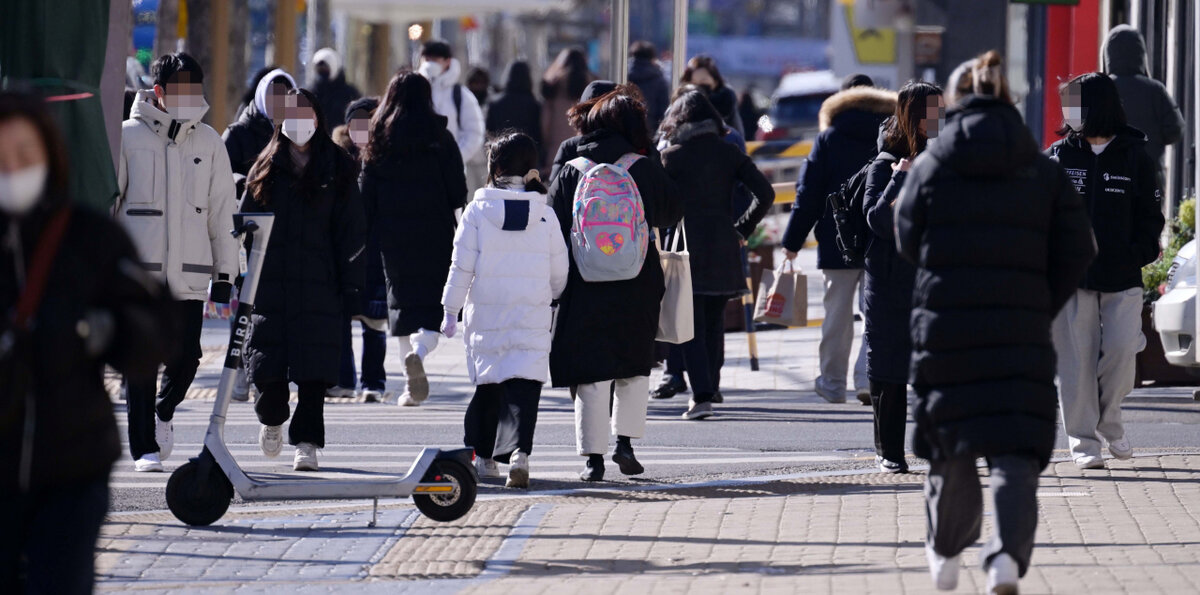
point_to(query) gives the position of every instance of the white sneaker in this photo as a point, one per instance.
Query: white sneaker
(1003, 575)
(407, 400)
(1089, 462)
(486, 468)
(943, 570)
(518, 471)
(338, 392)
(1121, 449)
(373, 396)
(164, 435)
(306, 457)
(270, 440)
(148, 463)
(417, 384)
(830, 396)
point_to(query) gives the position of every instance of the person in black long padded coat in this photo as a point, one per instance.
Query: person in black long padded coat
(412, 184)
(1001, 241)
(604, 336)
(256, 123)
(516, 108)
(311, 277)
(707, 168)
(887, 290)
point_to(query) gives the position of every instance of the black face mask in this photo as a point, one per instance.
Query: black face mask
(323, 72)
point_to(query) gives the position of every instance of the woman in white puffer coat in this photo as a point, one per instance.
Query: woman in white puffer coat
(509, 265)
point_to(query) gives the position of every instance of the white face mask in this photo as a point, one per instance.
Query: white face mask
(1073, 117)
(189, 109)
(431, 70)
(20, 190)
(299, 131)
(360, 137)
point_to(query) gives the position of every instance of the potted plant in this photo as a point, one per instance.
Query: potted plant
(1152, 365)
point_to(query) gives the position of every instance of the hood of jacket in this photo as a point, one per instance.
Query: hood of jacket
(1125, 52)
(641, 71)
(865, 100)
(518, 79)
(508, 210)
(597, 89)
(984, 136)
(147, 112)
(604, 146)
(1127, 136)
(331, 58)
(260, 92)
(450, 77)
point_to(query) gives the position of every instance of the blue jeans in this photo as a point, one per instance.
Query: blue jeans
(374, 349)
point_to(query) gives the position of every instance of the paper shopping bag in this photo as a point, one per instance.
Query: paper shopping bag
(675, 322)
(783, 297)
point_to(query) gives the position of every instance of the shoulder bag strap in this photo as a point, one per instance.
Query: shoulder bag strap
(39, 271)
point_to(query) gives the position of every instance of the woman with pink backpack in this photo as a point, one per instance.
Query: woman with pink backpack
(608, 200)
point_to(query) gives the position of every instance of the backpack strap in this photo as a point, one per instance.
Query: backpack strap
(583, 164)
(456, 94)
(627, 160)
(39, 270)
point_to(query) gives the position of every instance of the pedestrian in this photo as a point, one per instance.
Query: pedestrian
(648, 77)
(1147, 104)
(1098, 334)
(412, 183)
(750, 113)
(1000, 240)
(706, 170)
(464, 117)
(353, 137)
(176, 200)
(95, 307)
(478, 82)
(702, 71)
(959, 85)
(563, 86)
(330, 86)
(516, 108)
(849, 121)
(604, 336)
(247, 98)
(255, 127)
(311, 278)
(888, 288)
(569, 148)
(509, 265)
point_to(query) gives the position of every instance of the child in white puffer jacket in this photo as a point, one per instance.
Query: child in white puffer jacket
(509, 265)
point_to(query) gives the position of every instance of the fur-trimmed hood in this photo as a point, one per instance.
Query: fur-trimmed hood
(867, 99)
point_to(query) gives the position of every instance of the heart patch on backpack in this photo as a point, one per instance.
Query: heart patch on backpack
(609, 243)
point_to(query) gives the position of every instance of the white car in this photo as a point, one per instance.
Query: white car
(1175, 311)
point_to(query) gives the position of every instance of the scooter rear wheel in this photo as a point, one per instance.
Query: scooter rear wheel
(196, 497)
(453, 506)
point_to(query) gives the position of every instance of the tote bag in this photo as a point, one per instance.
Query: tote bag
(675, 323)
(783, 297)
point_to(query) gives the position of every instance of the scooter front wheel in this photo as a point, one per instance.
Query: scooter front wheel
(452, 506)
(198, 497)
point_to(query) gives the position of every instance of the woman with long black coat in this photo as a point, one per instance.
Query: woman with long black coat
(707, 168)
(604, 336)
(311, 277)
(412, 184)
(516, 108)
(888, 287)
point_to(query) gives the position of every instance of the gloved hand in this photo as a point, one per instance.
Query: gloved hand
(351, 303)
(96, 328)
(449, 325)
(221, 292)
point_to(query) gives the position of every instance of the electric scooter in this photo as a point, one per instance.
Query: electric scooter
(442, 483)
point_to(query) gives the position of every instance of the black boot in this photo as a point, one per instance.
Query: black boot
(594, 469)
(625, 459)
(671, 386)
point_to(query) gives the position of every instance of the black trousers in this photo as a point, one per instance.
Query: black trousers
(308, 425)
(890, 402)
(501, 418)
(177, 377)
(954, 506)
(49, 542)
(704, 355)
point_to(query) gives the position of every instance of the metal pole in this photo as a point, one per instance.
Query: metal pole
(1196, 118)
(619, 52)
(679, 42)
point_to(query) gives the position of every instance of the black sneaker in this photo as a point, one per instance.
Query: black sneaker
(625, 459)
(593, 470)
(670, 387)
(718, 397)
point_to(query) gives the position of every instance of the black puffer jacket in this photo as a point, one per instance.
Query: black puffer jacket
(312, 275)
(888, 285)
(649, 78)
(1001, 239)
(246, 138)
(516, 108)
(848, 140)
(726, 102)
(706, 168)
(1120, 189)
(605, 331)
(74, 438)
(410, 197)
(334, 94)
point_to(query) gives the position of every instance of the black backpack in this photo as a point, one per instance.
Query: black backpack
(848, 216)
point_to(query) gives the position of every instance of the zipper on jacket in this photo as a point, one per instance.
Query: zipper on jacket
(1093, 175)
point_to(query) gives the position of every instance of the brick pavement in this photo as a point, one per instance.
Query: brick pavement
(1133, 528)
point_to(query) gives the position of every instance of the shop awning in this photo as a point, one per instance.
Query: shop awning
(405, 11)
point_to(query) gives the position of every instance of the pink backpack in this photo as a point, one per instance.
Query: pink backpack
(609, 234)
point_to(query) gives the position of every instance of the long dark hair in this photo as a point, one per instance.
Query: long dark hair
(514, 153)
(568, 74)
(691, 107)
(1103, 114)
(621, 111)
(904, 128)
(276, 158)
(21, 104)
(406, 114)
